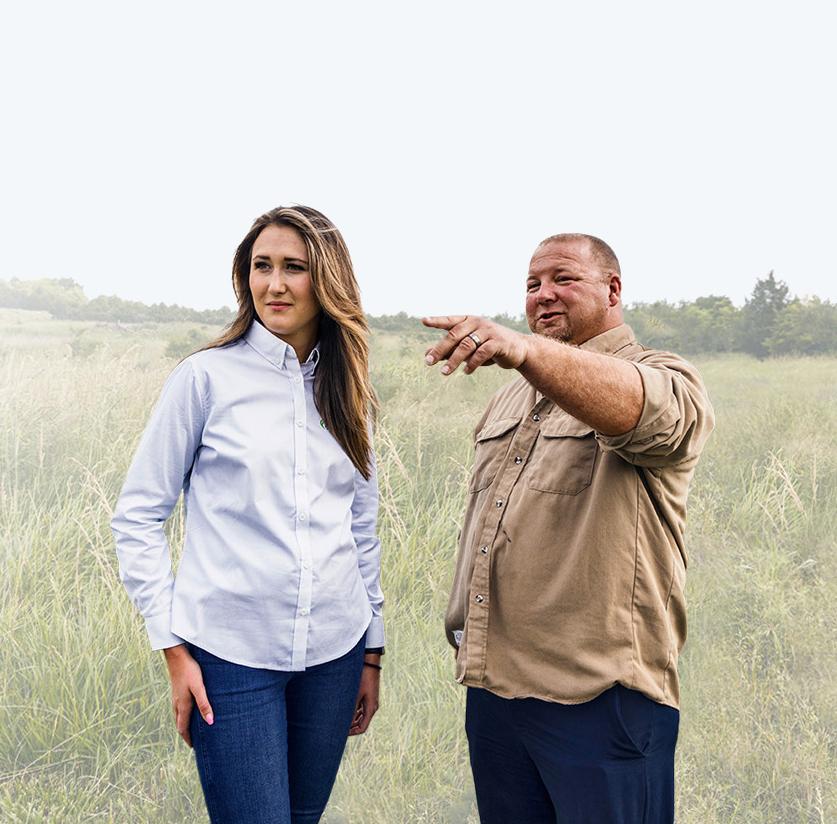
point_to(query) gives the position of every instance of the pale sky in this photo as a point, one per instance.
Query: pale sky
(444, 139)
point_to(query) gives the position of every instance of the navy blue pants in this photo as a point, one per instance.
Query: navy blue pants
(606, 761)
(272, 754)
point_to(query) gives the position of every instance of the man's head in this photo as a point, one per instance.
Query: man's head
(573, 289)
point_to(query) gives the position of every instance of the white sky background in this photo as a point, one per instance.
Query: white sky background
(444, 139)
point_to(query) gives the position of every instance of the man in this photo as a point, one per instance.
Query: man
(567, 610)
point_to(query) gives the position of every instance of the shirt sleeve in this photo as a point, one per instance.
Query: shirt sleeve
(676, 419)
(364, 532)
(160, 467)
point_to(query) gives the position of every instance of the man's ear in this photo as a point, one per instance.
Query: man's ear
(615, 289)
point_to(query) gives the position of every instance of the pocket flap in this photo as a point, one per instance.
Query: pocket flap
(493, 429)
(563, 426)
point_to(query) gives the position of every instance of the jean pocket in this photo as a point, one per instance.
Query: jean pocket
(202, 656)
(635, 717)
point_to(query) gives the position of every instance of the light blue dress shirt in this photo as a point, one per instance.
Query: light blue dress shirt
(281, 562)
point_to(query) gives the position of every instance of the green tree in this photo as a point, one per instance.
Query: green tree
(805, 327)
(760, 315)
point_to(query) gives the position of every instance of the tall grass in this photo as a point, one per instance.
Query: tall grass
(85, 725)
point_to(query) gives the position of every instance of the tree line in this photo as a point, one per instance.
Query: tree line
(64, 299)
(770, 323)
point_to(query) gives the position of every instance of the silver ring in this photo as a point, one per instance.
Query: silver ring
(474, 338)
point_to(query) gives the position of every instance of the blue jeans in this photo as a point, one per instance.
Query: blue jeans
(272, 754)
(609, 760)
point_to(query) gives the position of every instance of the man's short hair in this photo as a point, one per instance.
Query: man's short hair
(603, 254)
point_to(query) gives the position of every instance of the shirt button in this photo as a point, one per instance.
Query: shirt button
(304, 611)
(301, 516)
(300, 472)
(518, 459)
(484, 550)
(536, 417)
(306, 565)
(299, 423)
(479, 599)
(297, 379)
(498, 503)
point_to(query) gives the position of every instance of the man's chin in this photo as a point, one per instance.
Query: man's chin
(559, 333)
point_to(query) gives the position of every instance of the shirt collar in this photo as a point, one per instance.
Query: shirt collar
(275, 350)
(310, 365)
(610, 342)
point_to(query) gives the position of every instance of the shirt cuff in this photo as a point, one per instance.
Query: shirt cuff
(375, 632)
(659, 409)
(159, 631)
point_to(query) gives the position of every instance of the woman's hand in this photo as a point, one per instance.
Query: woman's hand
(186, 689)
(367, 696)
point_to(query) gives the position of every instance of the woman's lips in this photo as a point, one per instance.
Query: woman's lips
(278, 307)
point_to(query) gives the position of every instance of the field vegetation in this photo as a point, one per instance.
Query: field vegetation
(86, 732)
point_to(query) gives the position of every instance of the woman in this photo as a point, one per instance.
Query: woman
(272, 630)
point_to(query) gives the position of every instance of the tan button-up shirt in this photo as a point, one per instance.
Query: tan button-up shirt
(571, 561)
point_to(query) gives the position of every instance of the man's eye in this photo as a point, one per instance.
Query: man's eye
(531, 287)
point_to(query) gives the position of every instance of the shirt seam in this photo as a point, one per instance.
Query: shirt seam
(633, 585)
(201, 396)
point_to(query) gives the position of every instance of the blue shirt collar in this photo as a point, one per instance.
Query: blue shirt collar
(274, 349)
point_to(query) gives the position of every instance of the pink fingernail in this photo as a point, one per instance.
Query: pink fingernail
(210, 718)
(429, 360)
(445, 370)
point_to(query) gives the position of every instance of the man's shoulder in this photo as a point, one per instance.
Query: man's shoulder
(662, 358)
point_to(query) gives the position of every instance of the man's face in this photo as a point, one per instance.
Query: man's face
(568, 296)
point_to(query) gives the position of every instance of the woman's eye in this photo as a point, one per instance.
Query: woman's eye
(296, 267)
(261, 265)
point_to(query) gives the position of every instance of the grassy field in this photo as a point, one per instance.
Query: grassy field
(85, 724)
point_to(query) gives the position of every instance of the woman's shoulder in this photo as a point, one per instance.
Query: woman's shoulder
(204, 364)
(205, 358)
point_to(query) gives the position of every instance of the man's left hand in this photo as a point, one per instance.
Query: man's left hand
(476, 342)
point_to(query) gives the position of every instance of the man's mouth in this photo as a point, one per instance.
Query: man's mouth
(549, 315)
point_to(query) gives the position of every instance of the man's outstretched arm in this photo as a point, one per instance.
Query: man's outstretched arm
(603, 391)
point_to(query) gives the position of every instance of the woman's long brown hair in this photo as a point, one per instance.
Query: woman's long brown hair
(342, 390)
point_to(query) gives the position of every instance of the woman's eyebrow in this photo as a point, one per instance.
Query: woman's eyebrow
(291, 259)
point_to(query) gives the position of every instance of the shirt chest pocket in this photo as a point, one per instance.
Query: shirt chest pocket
(564, 457)
(492, 444)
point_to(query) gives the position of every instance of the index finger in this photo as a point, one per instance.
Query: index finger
(443, 321)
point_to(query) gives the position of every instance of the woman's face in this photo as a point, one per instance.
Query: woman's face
(280, 283)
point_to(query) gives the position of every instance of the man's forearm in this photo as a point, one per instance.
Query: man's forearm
(603, 391)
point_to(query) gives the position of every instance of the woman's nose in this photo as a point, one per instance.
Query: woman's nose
(277, 282)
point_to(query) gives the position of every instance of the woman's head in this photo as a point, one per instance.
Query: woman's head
(292, 272)
(328, 263)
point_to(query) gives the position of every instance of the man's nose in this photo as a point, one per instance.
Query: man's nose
(546, 294)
